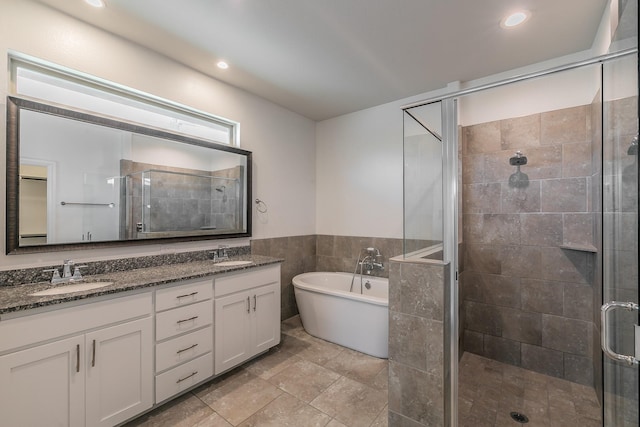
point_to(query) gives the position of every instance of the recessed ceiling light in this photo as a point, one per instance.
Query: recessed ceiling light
(95, 3)
(515, 19)
(222, 65)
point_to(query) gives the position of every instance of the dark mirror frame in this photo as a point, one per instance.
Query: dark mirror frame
(15, 105)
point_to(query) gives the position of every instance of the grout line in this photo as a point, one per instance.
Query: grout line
(384, 409)
(209, 406)
(264, 406)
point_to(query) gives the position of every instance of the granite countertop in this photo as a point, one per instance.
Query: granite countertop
(18, 298)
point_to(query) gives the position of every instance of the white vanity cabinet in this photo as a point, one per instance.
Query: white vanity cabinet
(247, 315)
(87, 365)
(93, 362)
(184, 337)
(44, 385)
(118, 373)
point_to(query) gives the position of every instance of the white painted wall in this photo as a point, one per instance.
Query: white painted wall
(359, 173)
(282, 142)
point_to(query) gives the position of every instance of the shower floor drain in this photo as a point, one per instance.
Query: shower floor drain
(520, 418)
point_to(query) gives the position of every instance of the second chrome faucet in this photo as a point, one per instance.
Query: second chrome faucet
(70, 273)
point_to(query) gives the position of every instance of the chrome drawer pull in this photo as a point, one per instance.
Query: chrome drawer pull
(187, 295)
(185, 349)
(187, 320)
(248, 305)
(77, 357)
(93, 357)
(255, 303)
(187, 377)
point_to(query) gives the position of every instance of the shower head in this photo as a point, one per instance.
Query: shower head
(221, 188)
(518, 160)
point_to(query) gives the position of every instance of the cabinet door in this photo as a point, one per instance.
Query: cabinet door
(119, 372)
(266, 312)
(44, 385)
(232, 330)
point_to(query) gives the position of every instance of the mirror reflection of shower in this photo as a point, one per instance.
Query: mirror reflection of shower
(630, 171)
(221, 189)
(633, 148)
(518, 179)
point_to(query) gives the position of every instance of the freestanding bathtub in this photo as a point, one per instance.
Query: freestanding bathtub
(329, 311)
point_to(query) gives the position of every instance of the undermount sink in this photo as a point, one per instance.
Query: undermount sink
(232, 263)
(67, 289)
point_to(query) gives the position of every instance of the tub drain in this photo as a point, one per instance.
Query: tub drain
(519, 418)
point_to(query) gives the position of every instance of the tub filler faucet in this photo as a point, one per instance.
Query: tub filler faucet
(371, 261)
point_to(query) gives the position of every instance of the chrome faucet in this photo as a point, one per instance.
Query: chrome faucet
(67, 267)
(55, 278)
(221, 253)
(372, 261)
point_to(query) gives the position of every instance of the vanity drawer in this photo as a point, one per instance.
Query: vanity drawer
(244, 280)
(185, 347)
(182, 295)
(183, 377)
(183, 319)
(30, 329)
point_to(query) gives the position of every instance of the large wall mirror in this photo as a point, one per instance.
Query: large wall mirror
(76, 180)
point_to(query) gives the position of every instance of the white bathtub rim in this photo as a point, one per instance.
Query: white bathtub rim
(300, 284)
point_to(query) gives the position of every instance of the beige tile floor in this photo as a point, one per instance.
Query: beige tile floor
(308, 382)
(303, 382)
(489, 391)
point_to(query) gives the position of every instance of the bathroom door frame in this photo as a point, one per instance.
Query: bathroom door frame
(51, 192)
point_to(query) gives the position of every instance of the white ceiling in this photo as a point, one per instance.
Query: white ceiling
(324, 58)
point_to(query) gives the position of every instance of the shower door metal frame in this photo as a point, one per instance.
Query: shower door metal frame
(620, 388)
(450, 249)
(450, 205)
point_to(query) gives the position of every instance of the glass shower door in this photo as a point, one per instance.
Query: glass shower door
(620, 242)
(423, 182)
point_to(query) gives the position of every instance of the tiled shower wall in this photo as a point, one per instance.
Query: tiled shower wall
(303, 254)
(529, 252)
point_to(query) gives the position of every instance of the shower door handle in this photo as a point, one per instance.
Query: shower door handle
(606, 348)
